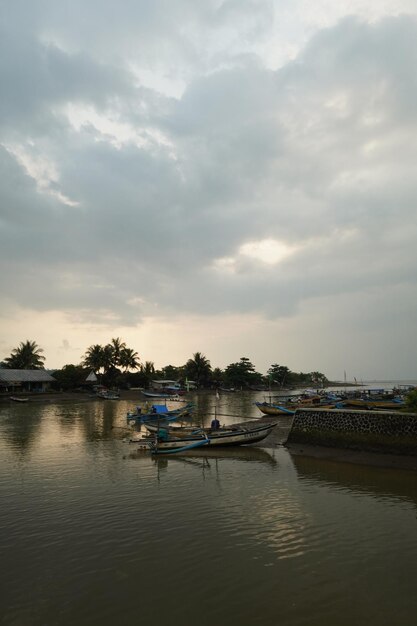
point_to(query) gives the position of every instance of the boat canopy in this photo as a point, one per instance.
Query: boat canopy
(159, 408)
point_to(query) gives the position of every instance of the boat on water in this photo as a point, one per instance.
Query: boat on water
(159, 411)
(17, 399)
(107, 394)
(155, 394)
(166, 441)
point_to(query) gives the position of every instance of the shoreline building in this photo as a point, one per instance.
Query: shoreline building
(24, 380)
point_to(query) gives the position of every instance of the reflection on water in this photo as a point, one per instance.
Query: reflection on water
(95, 532)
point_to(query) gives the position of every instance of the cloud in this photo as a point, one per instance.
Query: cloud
(122, 200)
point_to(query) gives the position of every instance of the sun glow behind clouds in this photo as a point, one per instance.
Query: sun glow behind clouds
(268, 251)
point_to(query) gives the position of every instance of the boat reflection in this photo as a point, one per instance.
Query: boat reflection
(249, 454)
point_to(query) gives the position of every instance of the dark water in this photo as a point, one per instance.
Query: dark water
(94, 533)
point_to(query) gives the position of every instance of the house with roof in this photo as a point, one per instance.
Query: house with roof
(24, 380)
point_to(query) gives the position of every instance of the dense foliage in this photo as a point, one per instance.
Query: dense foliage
(411, 401)
(110, 360)
(27, 356)
(116, 365)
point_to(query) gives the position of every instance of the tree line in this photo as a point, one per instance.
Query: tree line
(117, 365)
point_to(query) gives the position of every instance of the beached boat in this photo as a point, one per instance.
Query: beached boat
(369, 404)
(167, 441)
(268, 408)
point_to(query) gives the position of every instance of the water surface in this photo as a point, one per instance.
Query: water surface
(93, 532)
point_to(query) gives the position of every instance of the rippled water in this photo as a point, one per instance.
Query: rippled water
(93, 532)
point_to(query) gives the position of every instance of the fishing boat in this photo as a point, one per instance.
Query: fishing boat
(268, 408)
(369, 404)
(166, 441)
(159, 411)
(155, 394)
(106, 394)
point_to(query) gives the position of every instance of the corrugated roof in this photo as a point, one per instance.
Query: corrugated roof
(25, 376)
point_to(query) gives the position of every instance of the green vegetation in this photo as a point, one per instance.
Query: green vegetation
(27, 356)
(242, 374)
(117, 365)
(198, 369)
(411, 401)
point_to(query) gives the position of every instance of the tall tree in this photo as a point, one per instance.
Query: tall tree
(198, 369)
(147, 371)
(94, 358)
(116, 347)
(128, 359)
(27, 356)
(217, 376)
(242, 374)
(278, 374)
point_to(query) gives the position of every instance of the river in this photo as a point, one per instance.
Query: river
(93, 532)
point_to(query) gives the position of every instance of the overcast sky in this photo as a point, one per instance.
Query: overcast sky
(236, 178)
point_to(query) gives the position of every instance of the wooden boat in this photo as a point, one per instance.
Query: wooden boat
(160, 411)
(155, 394)
(108, 395)
(268, 408)
(274, 409)
(17, 399)
(367, 404)
(166, 441)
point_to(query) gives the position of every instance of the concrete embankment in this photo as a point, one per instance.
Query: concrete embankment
(372, 431)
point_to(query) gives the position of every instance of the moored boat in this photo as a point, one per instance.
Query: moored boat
(166, 441)
(155, 394)
(159, 411)
(107, 394)
(17, 399)
(274, 409)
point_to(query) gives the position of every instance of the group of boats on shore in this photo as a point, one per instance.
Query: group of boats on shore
(377, 399)
(163, 436)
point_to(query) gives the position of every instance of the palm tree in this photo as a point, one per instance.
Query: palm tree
(198, 369)
(117, 346)
(147, 372)
(128, 359)
(27, 356)
(94, 358)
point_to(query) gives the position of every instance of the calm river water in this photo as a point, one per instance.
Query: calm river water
(94, 533)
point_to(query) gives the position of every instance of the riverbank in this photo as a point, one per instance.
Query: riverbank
(133, 395)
